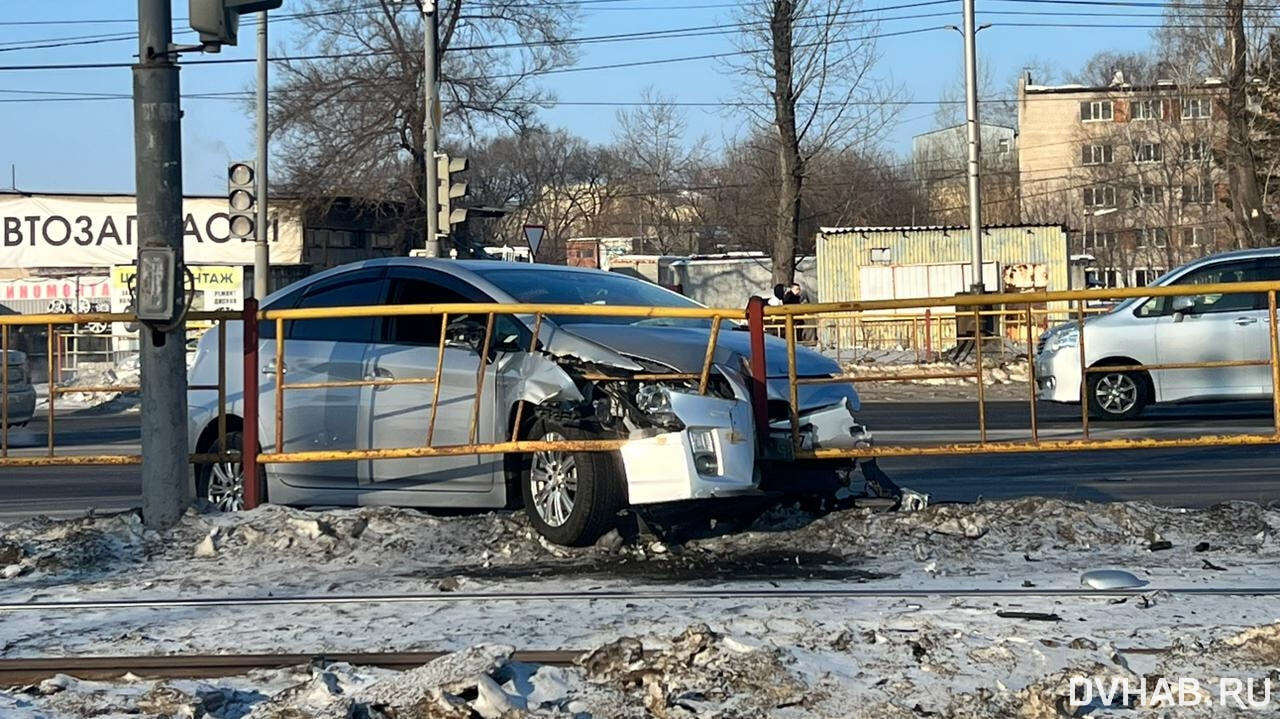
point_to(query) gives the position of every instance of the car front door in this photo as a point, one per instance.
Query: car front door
(317, 352)
(1214, 328)
(399, 415)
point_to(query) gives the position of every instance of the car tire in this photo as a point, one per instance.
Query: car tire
(222, 483)
(571, 498)
(1116, 396)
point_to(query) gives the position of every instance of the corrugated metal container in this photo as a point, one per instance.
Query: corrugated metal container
(842, 252)
(872, 263)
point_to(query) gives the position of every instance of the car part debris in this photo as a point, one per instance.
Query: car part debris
(880, 485)
(1111, 579)
(1202, 547)
(1214, 567)
(1160, 545)
(1030, 616)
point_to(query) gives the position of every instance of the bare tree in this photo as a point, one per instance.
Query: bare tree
(350, 123)
(814, 65)
(545, 177)
(660, 169)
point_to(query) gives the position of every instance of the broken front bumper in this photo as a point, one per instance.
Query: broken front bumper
(715, 455)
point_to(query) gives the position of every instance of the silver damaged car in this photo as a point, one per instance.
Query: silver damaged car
(578, 384)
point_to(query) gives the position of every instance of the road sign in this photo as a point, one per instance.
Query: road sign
(533, 236)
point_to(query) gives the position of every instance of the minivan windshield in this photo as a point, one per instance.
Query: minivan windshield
(567, 287)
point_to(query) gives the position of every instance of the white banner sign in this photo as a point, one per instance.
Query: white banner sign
(48, 231)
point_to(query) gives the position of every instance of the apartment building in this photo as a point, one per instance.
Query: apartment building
(1134, 171)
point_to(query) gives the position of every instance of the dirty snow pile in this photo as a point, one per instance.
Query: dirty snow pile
(999, 373)
(125, 373)
(697, 673)
(385, 549)
(942, 655)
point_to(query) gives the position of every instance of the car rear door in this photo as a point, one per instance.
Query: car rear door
(1219, 328)
(399, 415)
(319, 351)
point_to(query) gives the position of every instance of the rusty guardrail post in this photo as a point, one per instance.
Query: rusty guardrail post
(759, 370)
(928, 335)
(249, 445)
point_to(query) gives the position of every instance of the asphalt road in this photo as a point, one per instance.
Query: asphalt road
(1184, 477)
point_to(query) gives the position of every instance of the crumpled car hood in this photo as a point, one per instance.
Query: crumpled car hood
(684, 349)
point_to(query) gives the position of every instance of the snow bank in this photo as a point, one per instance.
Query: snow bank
(935, 671)
(278, 549)
(997, 374)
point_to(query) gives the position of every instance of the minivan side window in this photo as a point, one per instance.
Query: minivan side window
(1221, 273)
(353, 289)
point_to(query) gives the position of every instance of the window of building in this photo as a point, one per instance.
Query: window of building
(1153, 237)
(1096, 154)
(1197, 237)
(1196, 108)
(1003, 146)
(881, 255)
(1198, 194)
(1111, 278)
(1098, 240)
(1095, 110)
(1147, 109)
(1147, 195)
(1100, 196)
(1147, 152)
(1144, 276)
(1197, 151)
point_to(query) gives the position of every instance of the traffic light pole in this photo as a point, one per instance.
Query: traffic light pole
(430, 133)
(157, 128)
(262, 231)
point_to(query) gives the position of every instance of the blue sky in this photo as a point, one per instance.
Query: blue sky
(88, 145)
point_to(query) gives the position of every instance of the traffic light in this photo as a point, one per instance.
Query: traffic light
(449, 190)
(243, 202)
(218, 21)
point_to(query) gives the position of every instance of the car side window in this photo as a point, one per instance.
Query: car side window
(423, 330)
(267, 330)
(354, 289)
(1223, 273)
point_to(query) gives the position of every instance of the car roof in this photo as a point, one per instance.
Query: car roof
(472, 271)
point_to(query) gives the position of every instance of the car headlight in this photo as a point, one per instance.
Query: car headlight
(655, 401)
(1066, 338)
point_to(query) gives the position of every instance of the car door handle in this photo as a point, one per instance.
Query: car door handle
(1243, 321)
(270, 368)
(377, 375)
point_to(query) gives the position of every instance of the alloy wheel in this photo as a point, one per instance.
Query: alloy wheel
(554, 480)
(226, 486)
(1116, 393)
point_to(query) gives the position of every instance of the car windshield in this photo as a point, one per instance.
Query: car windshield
(567, 287)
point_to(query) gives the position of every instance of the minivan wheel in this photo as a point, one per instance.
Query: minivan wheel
(222, 483)
(570, 497)
(1116, 395)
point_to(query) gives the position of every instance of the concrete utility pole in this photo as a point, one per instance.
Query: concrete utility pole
(975, 141)
(261, 250)
(430, 133)
(157, 138)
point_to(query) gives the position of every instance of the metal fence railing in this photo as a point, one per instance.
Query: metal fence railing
(1018, 311)
(973, 307)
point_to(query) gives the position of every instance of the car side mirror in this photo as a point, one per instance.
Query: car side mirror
(1183, 306)
(465, 333)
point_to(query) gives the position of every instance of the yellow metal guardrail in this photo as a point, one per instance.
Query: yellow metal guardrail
(490, 312)
(788, 314)
(50, 324)
(791, 317)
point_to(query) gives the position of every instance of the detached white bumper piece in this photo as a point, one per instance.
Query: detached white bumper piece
(714, 456)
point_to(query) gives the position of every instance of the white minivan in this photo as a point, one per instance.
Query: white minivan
(1167, 330)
